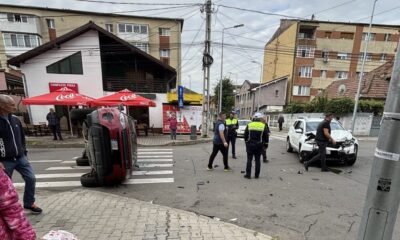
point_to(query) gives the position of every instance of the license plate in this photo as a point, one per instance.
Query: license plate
(114, 144)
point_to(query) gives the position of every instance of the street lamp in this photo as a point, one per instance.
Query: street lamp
(222, 64)
(259, 90)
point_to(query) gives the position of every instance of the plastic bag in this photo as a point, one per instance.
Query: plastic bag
(59, 235)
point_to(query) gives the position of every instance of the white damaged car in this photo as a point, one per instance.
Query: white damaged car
(301, 140)
(242, 126)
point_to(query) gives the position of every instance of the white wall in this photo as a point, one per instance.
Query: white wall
(90, 83)
(155, 113)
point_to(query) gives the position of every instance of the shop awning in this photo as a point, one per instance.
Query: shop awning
(124, 97)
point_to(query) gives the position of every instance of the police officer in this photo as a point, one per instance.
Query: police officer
(256, 137)
(232, 125)
(264, 150)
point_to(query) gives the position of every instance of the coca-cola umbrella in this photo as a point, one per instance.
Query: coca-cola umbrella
(63, 96)
(124, 97)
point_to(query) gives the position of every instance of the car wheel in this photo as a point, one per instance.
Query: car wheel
(80, 161)
(350, 162)
(89, 180)
(288, 145)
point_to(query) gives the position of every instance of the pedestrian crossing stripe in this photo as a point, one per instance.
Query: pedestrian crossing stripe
(45, 161)
(68, 168)
(151, 165)
(150, 153)
(58, 175)
(149, 173)
(154, 149)
(155, 160)
(161, 156)
(148, 180)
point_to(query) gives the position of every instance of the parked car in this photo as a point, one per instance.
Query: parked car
(301, 136)
(242, 126)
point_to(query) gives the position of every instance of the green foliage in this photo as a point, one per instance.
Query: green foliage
(339, 106)
(373, 106)
(294, 108)
(228, 98)
(322, 105)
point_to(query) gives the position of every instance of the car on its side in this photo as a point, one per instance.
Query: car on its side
(300, 139)
(242, 126)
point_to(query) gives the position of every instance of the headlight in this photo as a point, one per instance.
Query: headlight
(349, 142)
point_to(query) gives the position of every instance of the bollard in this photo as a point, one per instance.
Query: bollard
(193, 132)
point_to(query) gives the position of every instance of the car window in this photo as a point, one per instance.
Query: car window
(244, 122)
(312, 126)
(299, 125)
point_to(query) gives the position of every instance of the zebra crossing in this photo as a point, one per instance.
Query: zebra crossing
(155, 166)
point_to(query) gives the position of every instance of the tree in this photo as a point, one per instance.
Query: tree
(228, 97)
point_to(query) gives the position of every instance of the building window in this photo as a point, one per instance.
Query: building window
(343, 56)
(306, 34)
(50, 23)
(165, 32)
(164, 53)
(276, 93)
(109, 28)
(17, 18)
(20, 40)
(328, 34)
(323, 73)
(132, 28)
(301, 91)
(346, 35)
(388, 37)
(142, 46)
(341, 75)
(305, 51)
(383, 57)
(325, 56)
(69, 65)
(368, 58)
(371, 37)
(305, 71)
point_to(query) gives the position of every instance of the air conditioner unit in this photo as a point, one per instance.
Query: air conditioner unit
(325, 59)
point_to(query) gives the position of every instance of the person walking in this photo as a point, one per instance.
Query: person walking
(13, 151)
(323, 138)
(232, 124)
(256, 137)
(13, 222)
(54, 124)
(173, 125)
(281, 120)
(265, 147)
(219, 143)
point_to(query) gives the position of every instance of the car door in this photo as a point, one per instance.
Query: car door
(291, 132)
(297, 135)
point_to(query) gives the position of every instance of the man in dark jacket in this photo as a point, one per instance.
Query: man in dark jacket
(256, 137)
(54, 124)
(219, 143)
(13, 151)
(281, 120)
(232, 125)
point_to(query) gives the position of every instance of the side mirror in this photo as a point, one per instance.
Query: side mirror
(299, 130)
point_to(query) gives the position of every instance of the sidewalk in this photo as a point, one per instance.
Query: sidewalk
(150, 141)
(96, 215)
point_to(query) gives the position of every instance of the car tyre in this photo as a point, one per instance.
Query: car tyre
(80, 161)
(350, 162)
(89, 180)
(288, 145)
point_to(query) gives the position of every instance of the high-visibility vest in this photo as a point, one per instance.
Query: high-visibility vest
(231, 121)
(257, 127)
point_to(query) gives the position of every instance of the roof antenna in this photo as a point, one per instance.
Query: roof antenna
(312, 17)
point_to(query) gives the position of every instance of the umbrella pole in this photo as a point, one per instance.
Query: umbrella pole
(70, 122)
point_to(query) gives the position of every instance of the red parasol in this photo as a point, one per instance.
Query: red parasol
(63, 96)
(124, 97)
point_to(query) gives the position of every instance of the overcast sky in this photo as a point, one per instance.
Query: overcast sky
(243, 45)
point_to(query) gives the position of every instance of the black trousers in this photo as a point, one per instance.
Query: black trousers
(56, 131)
(264, 153)
(219, 148)
(280, 126)
(253, 150)
(321, 156)
(232, 142)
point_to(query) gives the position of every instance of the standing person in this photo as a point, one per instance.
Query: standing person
(173, 125)
(219, 143)
(232, 124)
(265, 146)
(13, 222)
(13, 151)
(54, 124)
(281, 120)
(323, 138)
(256, 137)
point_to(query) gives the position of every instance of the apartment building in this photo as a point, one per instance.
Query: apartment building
(316, 53)
(23, 28)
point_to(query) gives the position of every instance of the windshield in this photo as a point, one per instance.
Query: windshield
(244, 122)
(312, 126)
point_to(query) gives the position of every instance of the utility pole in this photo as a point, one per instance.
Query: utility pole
(353, 120)
(383, 195)
(207, 61)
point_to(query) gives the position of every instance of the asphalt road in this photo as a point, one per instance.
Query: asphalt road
(285, 202)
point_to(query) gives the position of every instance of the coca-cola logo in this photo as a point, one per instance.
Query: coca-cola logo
(62, 97)
(128, 97)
